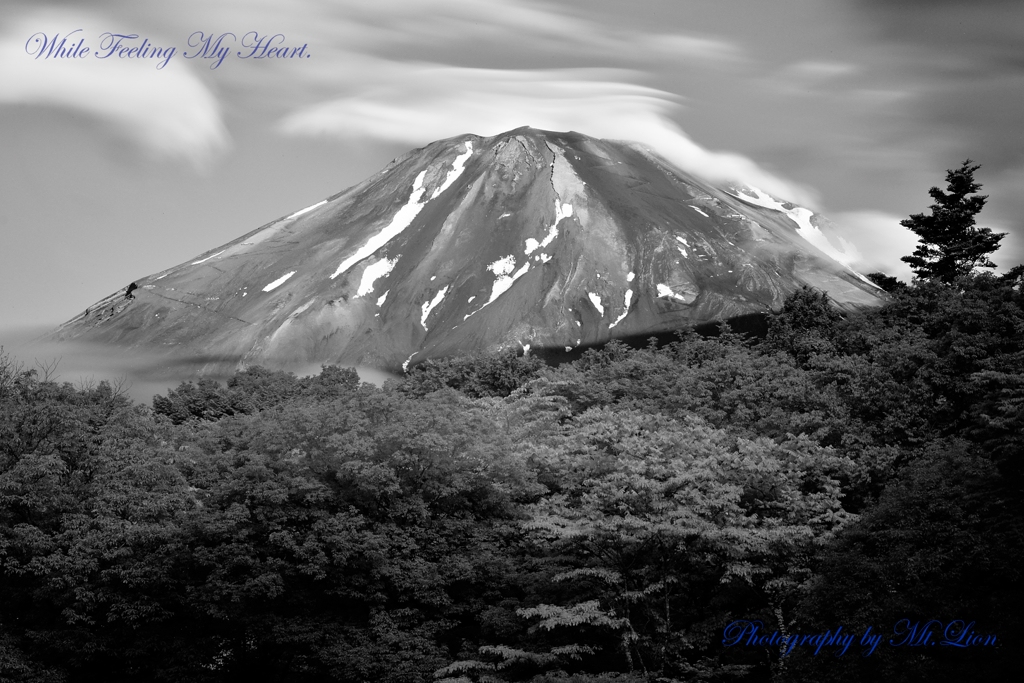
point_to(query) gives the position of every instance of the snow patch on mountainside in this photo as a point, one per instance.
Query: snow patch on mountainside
(306, 210)
(666, 291)
(625, 308)
(458, 166)
(596, 300)
(429, 306)
(553, 230)
(561, 211)
(372, 273)
(278, 282)
(503, 266)
(204, 260)
(800, 216)
(503, 282)
(401, 220)
(806, 229)
(700, 212)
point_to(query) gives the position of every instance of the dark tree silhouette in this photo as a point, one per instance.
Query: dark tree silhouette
(950, 245)
(886, 282)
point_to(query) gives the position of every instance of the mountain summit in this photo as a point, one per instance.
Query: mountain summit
(528, 239)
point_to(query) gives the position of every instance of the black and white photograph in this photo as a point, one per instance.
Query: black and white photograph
(511, 341)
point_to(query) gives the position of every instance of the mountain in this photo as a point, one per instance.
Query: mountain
(528, 239)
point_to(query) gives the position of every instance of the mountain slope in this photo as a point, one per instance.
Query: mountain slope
(529, 238)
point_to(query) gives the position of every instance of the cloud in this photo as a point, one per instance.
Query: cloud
(811, 74)
(985, 34)
(1004, 212)
(820, 71)
(427, 102)
(979, 118)
(966, 66)
(172, 112)
(167, 110)
(522, 25)
(694, 47)
(141, 373)
(424, 90)
(880, 241)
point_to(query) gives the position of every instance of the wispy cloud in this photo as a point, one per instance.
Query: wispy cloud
(167, 110)
(393, 70)
(814, 73)
(430, 102)
(423, 89)
(704, 48)
(880, 241)
(375, 61)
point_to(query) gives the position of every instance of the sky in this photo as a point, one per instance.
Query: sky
(116, 164)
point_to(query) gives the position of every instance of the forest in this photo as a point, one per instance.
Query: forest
(849, 484)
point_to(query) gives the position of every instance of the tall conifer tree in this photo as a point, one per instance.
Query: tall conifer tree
(950, 244)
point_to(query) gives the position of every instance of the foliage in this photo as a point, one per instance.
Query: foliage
(476, 376)
(249, 391)
(942, 544)
(805, 326)
(886, 282)
(492, 519)
(950, 245)
(655, 526)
